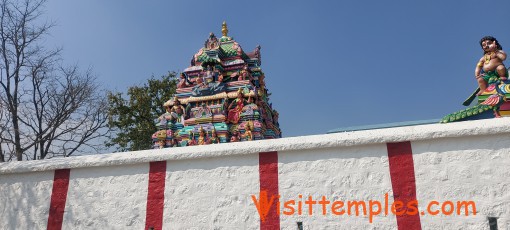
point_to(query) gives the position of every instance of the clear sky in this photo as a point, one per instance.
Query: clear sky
(328, 64)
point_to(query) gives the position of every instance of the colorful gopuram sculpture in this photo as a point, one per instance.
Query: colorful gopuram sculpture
(221, 97)
(492, 77)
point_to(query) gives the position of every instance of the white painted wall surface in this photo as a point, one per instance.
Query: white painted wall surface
(102, 197)
(212, 193)
(24, 200)
(469, 168)
(350, 173)
(209, 187)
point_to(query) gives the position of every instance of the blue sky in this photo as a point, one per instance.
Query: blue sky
(328, 64)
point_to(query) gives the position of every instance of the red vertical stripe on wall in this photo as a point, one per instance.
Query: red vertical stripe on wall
(156, 195)
(58, 199)
(268, 171)
(403, 182)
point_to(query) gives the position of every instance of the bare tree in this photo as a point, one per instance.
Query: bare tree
(47, 110)
(2, 129)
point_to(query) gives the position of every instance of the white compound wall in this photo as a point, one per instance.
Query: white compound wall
(214, 186)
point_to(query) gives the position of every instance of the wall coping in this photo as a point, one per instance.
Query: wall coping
(342, 139)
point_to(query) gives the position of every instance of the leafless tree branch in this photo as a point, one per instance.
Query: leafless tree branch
(46, 109)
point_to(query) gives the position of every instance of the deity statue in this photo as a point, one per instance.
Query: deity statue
(257, 51)
(249, 105)
(235, 108)
(264, 113)
(209, 75)
(491, 74)
(214, 138)
(179, 110)
(262, 80)
(164, 118)
(244, 74)
(235, 136)
(247, 134)
(201, 137)
(184, 81)
(200, 83)
(208, 84)
(490, 67)
(192, 140)
(275, 117)
(212, 42)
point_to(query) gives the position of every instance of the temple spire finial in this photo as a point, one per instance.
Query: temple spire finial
(224, 29)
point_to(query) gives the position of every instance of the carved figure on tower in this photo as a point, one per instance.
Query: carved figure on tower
(491, 75)
(212, 42)
(183, 81)
(214, 138)
(201, 137)
(245, 74)
(490, 67)
(179, 110)
(235, 108)
(248, 134)
(235, 136)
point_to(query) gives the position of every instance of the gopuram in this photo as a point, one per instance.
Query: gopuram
(493, 85)
(221, 97)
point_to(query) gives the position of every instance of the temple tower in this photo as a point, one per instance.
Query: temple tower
(221, 97)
